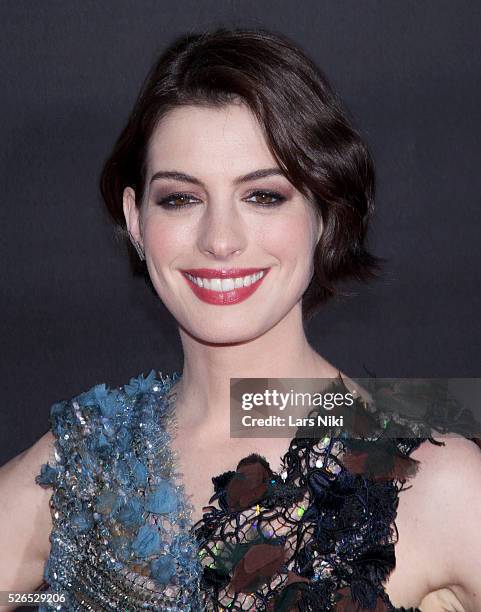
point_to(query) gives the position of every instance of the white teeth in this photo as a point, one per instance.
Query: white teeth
(225, 284)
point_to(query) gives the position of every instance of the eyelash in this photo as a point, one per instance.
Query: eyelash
(164, 202)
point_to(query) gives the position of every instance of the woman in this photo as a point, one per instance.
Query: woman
(246, 194)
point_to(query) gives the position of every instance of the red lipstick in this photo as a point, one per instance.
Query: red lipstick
(230, 296)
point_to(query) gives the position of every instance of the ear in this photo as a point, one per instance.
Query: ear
(132, 214)
(320, 227)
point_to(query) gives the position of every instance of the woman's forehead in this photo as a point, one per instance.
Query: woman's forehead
(227, 138)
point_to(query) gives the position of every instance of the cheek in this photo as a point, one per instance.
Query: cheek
(290, 238)
(164, 242)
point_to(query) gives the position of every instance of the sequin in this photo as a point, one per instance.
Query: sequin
(112, 476)
(123, 538)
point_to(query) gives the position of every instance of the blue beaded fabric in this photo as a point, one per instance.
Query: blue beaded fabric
(319, 535)
(120, 537)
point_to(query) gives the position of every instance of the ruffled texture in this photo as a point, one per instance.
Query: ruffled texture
(319, 535)
(319, 539)
(119, 518)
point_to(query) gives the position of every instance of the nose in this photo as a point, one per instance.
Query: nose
(222, 233)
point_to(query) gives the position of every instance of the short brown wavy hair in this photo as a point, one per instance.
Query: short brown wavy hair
(307, 131)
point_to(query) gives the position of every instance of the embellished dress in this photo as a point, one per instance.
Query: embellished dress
(319, 535)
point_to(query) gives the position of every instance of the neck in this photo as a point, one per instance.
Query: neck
(203, 393)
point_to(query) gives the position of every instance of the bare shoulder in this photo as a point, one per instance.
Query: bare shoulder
(438, 490)
(453, 449)
(25, 518)
(42, 450)
(437, 520)
(17, 480)
(26, 464)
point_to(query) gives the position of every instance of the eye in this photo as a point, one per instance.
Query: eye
(266, 199)
(178, 200)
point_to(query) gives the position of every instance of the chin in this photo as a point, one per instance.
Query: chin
(224, 332)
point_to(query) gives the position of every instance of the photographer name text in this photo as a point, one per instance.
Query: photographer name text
(292, 421)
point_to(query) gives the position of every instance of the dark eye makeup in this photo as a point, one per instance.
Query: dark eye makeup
(265, 199)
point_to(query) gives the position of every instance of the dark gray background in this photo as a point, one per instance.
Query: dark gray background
(409, 73)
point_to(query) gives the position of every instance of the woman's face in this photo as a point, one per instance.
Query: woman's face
(217, 206)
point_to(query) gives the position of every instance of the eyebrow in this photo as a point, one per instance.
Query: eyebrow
(187, 178)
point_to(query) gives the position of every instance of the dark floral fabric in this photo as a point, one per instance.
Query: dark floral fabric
(321, 534)
(249, 484)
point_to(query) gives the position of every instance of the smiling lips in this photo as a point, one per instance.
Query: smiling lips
(224, 287)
